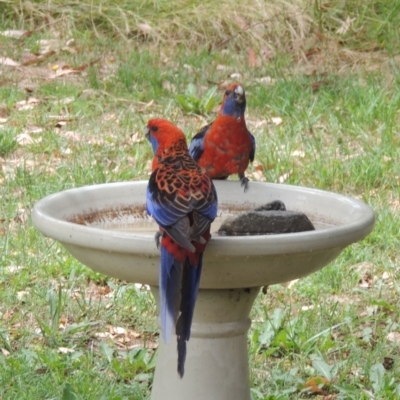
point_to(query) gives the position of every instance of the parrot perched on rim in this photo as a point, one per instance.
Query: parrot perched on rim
(183, 201)
(226, 146)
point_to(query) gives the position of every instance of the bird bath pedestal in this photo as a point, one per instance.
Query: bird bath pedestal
(102, 226)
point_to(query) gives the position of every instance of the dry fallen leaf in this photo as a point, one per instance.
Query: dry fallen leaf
(141, 286)
(27, 104)
(15, 33)
(22, 215)
(9, 62)
(146, 106)
(298, 153)
(291, 283)
(22, 295)
(393, 337)
(5, 352)
(316, 384)
(13, 269)
(329, 397)
(258, 166)
(188, 67)
(167, 85)
(345, 26)
(252, 58)
(137, 137)
(366, 281)
(72, 135)
(25, 138)
(276, 121)
(70, 42)
(4, 111)
(267, 53)
(124, 338)
(41, 370)
(266, 80)
(66, 71)
(117, 330)
(385, 275)
(223, 85)
(283, 178)
(110, 117)
(144, 28)
(65, 350)
(257, 175)
(86, 65)
(241, 22)
(34, 129)
(8, 315)
(236, 75)
(363, 267)
(45, 43)
(66, 100)
(61, 118)
(221, 67)
(60, 124)
(93, 292)
(103, 335)
(29, 58)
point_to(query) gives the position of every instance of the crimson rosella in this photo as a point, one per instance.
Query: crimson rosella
(182, 199)
(226, 146)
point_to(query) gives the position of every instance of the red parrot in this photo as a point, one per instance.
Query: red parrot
(226, 146)
(183, 201)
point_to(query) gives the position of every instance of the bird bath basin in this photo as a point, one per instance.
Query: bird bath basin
(106, 228)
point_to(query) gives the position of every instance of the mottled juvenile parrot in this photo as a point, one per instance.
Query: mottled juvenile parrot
(226, 146)
(182, 199)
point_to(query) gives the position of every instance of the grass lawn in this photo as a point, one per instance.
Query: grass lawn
(80, 79)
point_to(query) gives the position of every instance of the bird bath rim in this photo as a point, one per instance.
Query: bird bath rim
(55, 222)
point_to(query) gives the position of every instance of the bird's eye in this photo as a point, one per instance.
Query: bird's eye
(154, 128)
(228, 92)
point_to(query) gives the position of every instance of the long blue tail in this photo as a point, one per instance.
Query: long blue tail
(189, 290)
(170, 292)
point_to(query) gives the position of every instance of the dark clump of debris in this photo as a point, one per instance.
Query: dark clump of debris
(271, 218)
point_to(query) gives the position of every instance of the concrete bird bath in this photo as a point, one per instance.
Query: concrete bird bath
(104, 227)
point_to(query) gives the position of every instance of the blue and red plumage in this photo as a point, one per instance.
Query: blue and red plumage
(226, 146)
(182, 199)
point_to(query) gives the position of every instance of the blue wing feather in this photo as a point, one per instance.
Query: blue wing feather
(196, 147)
(164, 214)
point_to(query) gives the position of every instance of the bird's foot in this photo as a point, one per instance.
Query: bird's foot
(244, 182)
(157, 238)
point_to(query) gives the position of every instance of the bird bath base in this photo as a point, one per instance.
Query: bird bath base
(217, 362)
(234, 268)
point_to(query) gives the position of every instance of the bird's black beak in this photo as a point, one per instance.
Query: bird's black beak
(147, 132)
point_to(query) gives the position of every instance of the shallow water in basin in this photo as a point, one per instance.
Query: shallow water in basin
(148, 225)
